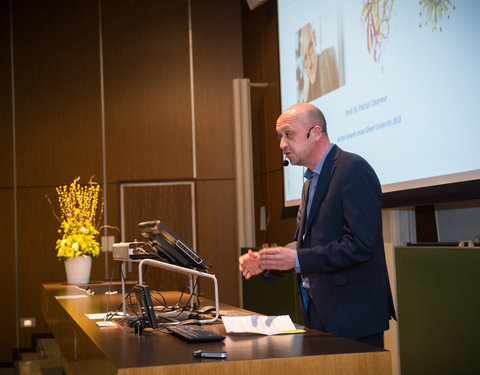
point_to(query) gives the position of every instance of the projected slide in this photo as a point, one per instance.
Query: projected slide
(397, 81)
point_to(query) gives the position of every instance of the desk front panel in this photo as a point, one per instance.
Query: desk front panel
(87, 348)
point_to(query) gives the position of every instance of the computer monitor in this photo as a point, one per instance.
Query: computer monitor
(169, 247)
(144, 301)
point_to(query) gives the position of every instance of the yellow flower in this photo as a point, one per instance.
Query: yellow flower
(79, 210)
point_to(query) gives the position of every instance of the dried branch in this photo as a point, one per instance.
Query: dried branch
(53, 211)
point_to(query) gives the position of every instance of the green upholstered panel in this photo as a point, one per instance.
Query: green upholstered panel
(438, 295)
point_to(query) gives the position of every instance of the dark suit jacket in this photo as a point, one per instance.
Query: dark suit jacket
(340, 248)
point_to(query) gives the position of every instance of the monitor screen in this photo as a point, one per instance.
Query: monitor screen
(169, 247)
(396, 80)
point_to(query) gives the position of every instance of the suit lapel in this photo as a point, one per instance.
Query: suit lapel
(322, 185)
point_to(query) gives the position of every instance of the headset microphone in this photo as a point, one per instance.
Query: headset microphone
(285, 163)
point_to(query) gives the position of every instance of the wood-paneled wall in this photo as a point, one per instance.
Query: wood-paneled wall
(151, 132)
(260, 54)
(147, 89)
(174, 203)
(57, 91)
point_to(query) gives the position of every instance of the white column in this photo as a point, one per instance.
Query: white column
(243, 164)
(398, 229)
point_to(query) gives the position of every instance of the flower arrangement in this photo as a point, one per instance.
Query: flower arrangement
(78, 208)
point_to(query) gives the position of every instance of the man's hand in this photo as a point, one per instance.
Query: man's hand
(248, 264)
(277, 258)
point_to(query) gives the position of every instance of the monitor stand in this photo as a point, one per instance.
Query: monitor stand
(171, 267)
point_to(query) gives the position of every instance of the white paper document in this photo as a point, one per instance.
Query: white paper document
(97, 316)
(72, 296)
(260, 324)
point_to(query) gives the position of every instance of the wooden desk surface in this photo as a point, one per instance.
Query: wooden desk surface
(88, 349)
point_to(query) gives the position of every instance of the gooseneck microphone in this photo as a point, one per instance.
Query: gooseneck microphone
(285, 163)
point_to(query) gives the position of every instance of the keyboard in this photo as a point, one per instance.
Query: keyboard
(194, 333)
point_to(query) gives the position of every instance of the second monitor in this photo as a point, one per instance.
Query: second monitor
(169, 247)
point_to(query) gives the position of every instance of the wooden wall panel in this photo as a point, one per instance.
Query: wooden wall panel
(169, 202)
(7, 236)
(269, 193)
(148, 121)
(281, 231)
(147, 89)
(260, 49)
(271, 70)
(7, 276)
(37, 258)
(6, 144)
(57, 90)
(217, 237)
(217, 61)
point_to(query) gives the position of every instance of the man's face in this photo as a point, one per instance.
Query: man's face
(309, 56)
(294, 143)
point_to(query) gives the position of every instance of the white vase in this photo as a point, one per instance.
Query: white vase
(78, 269)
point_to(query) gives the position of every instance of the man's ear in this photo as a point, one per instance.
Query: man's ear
(317, 132)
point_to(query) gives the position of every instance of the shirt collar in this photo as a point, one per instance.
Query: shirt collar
(318, 168)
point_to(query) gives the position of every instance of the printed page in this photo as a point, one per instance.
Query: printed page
(260, 324)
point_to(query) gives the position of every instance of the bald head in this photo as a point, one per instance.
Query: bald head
(302, 132)
(308, 114)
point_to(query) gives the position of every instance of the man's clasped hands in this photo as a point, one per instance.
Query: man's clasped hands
(274, 258)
